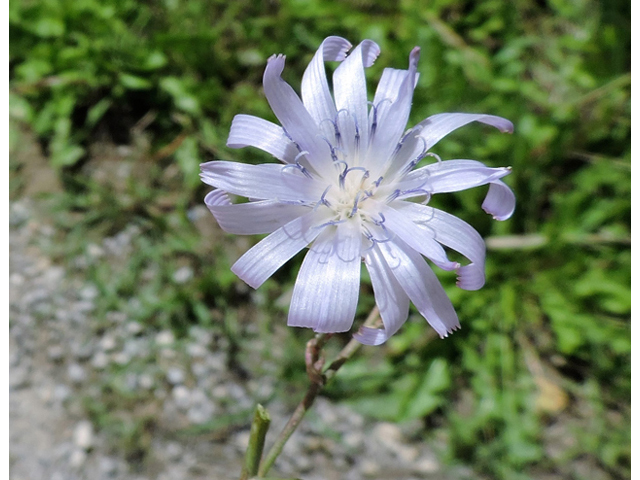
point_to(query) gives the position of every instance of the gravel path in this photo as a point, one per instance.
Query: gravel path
(61, 364)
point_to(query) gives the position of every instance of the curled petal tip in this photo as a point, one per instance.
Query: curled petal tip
(414, 57)
(507, 127)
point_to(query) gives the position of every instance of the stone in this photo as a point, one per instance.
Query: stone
(83, 435)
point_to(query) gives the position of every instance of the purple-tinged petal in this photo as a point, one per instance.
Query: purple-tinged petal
(391, 300)
(392, 121)
(420, 240)
(500, 201)
(350, 91)
(449, 176)
(438, 126)
(421, 285)
(268, 181)
(250, 131)
(315, 88)
(295, 118)
(434, 128)
(408, 152)
(388, 89)
(266, 257)
(455, 234)
(325, 295)
(251, 218)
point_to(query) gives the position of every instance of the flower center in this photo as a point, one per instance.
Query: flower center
(350, 193)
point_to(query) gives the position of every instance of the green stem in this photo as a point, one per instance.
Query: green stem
(259, 427)
(312, 392)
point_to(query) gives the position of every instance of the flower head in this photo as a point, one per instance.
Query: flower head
(348, 190)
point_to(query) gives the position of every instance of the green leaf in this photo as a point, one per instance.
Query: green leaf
(96, 112)
(183, 99)
(19, 108)
(49, 27)
(134, 82)
(428, 396)
(189, 161)
(66, 156)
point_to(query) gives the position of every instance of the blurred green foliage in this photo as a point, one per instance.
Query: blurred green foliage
(545, 341)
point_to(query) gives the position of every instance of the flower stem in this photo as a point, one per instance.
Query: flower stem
(259, 427)
(318, 380)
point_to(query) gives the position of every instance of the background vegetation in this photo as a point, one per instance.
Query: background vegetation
(545, 343)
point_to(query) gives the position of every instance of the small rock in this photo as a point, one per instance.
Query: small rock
(241, 440)
(175, 376)
(134, 328)
(76, 373)
(95, 251)
(89, 292)
(183, 275)
(61, 392)
(426, 465)
(108, 466)
(181, 396)
(108, 343)
(100, 360)
(19, 377)
(353, 440)
(165, 338)
(83, 435)
(173, 451)
(77, 458)
(55, 353)
(121, 358)
(196, 350)
(146, 381)
(369, 467)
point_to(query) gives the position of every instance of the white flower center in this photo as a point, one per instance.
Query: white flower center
(347, 196)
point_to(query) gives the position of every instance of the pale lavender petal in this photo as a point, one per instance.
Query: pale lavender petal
(350, 91)
(295, 118)
(420, 240)
(388, 89)
(391, 300)
(438, 126)
(421, 285)
(265, 258)
(455, 234)
(392, 121)
(250, 131)
(251, 218)
(449, 176)
(325, 295)
(268, 181)
(315, 88)
(408, 152)
(434, 128)
(500, 201)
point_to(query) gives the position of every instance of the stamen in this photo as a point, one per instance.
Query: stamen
(343, 175)
(323, 200)
(414, 192)
(393, 196)
(431, 154)
(380, 223)
(291, 139)
(374, 120)
(423, 153)
(335, 128)
(331, 222)
(355, 205)
(297, 165)
(333, 149)
(355, 122)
